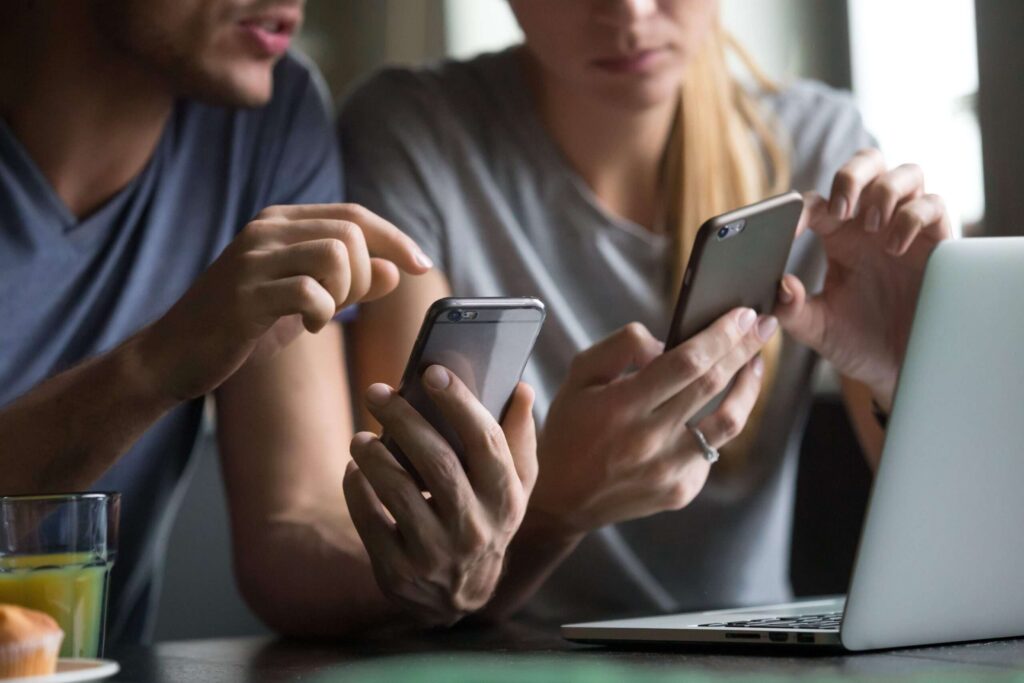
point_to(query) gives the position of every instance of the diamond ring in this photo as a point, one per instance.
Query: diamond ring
(710, 452)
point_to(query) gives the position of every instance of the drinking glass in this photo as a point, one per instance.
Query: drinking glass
(56, 552)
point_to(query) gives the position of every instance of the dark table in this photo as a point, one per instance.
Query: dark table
(517, 647)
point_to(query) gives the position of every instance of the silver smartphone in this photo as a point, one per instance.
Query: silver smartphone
(486, 342)
(738, 259)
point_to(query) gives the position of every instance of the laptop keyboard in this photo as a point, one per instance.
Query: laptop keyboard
(816, 622)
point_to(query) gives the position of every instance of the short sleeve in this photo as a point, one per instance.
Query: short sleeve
(303, 166)
(824, 128)
(394, 156)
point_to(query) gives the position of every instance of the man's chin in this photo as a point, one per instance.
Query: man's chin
(234, 90)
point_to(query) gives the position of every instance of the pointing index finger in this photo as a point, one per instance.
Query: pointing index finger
(383, 239)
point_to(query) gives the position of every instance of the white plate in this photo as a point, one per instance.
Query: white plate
(70, 670)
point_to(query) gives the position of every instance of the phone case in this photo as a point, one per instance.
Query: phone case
(741, 269)
(487, 351)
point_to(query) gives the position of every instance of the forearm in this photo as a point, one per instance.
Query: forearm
(304, 579)
(537, 550)
(65, 433)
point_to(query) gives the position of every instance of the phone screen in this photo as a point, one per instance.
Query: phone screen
(485, 343)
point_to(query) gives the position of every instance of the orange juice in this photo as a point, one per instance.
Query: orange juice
(70, 587)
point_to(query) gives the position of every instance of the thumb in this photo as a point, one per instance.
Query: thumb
(815, 208)
(521, 435)
(801, 316)
(630, 347)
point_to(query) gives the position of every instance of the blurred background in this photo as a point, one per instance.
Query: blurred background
(913, 67)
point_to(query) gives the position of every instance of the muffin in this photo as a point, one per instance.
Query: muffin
(29, 642)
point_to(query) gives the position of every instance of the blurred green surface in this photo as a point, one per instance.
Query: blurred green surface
(456, 668)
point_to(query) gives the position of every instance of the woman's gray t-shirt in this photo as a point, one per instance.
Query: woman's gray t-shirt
(456, 156)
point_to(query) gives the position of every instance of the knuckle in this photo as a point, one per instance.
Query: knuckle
(688, 361)
(513, 510)
(713, 381)
(662, 470)
(913, 170)
(729, 423)
(646, 443)
(635, 333)
(355, 212)
(256, 230)
(269, 212)
(493, 439)
(352, 233)
(870, 153)
(936, 200)
(445, 464)
(307, 288)
(678, 494)
(336, 253)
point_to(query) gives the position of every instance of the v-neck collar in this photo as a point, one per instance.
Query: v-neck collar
(38, 188)
(537, 135)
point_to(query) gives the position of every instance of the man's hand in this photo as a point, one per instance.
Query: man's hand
(878, 230)
(293, 267)
(440, 557)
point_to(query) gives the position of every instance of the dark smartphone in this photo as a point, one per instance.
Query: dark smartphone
(738, 259)
(486, 342)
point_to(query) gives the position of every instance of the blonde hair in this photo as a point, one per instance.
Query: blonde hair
(723, 153)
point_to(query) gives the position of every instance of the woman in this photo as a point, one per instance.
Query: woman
(577, 168)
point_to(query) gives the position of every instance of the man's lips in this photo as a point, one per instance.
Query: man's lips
(270, 34)
(636, 62)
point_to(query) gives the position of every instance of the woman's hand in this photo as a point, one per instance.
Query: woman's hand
(878, 230)
(615, 445)
(440, 557)
(291, 268)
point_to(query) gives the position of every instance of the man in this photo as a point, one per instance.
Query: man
(137, 139)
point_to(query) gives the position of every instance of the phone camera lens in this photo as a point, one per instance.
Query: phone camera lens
(455, 316)
(723, 233)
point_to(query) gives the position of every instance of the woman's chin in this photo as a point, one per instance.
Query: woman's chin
(640, 97)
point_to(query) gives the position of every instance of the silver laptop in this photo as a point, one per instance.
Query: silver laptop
(941, 555)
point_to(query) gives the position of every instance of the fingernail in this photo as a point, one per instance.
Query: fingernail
(893, 245)
(424, 260)
(766, 327)
(746, 320)
(874, 218)
(436, 377)
(757, 365)
(838, 207)
(378, 394)
(785, 295)
(358, 441)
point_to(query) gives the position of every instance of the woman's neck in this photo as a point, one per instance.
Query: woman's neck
(618, 152)
(89, 117)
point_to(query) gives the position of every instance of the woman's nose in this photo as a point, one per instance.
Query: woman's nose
(624, 12)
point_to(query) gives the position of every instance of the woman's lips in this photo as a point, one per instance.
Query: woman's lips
(638, 62)
(269, 36)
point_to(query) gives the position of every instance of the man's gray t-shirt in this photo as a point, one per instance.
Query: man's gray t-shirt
(456, 156)
(70, 288)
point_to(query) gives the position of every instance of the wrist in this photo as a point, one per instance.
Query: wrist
(549, 528)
